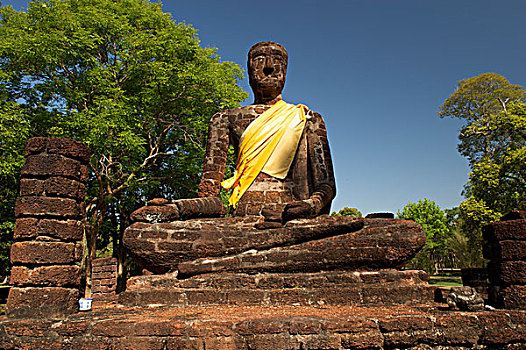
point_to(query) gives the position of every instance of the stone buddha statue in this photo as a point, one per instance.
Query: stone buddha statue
(281, 192)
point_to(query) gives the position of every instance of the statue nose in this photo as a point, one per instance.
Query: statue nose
(269, 66)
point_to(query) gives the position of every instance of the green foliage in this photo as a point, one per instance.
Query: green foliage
(483, 102)
(462, 252)
(124, 78)
(493, 139)
(14, 129)
(473, 215)
(436, 226)
(350, 212)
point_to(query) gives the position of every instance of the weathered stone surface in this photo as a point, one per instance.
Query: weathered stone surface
(320, 288)
(42, 302)
(513, 297)
(263, 327)
(54, 276)
(281, 280)
(200, 207)
(31, 228)
(505, 230)
(54, 187)
(104, 277)
(45, 165)
(507, 272)
(156, 214)
(31, 253)
(505, 250)
(47, 206)
(465, 299)
(161, 247)
(58, 145)
(158, 201)
(406, 331)
(159, 210)
(382, 243)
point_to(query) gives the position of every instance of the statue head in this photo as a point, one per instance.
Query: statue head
(267, 68)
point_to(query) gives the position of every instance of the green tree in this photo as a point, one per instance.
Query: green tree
(436, 226)
(350, 212)
(124, 78)
(483, 102)
(14, 129)
(493, 138)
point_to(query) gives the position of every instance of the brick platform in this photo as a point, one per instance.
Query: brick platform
(426, 326)
(322, 288)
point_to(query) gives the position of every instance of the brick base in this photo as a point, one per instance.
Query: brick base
(42, 302)
(321, 288)
(427, 326)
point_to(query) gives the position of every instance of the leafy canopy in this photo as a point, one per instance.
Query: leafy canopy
(483, 103)
(122, 77)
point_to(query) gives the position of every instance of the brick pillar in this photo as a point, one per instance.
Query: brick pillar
(104, 280)
(506, 248)
(45, 256)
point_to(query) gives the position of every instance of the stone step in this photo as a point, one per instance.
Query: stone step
(322, 288)
(281, 280)
(378, 295)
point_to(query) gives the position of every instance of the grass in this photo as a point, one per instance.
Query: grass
(446, 281)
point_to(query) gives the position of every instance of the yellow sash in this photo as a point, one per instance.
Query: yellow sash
(268, 144)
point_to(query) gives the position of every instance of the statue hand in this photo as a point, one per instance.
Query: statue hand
(300, 209)
(272, 219)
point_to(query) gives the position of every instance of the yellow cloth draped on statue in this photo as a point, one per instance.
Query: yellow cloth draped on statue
(268, 145)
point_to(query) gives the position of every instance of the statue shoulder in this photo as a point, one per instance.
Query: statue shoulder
(315, 117)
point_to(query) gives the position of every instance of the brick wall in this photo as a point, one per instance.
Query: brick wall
(104, 279)
(505, 247)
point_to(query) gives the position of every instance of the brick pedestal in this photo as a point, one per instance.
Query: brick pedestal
(506, 248)
(48, 233)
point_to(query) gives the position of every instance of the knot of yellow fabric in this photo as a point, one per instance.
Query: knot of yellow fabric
(268, 145)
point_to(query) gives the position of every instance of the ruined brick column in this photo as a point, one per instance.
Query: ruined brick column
(506, 248)
(47, 250)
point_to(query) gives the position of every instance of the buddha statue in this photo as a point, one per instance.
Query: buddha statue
(281, 193)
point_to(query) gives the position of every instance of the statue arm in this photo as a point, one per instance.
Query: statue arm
(324, 188)
(321, 165)
(215, 157)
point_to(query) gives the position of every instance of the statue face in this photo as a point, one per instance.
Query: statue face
(267, 68)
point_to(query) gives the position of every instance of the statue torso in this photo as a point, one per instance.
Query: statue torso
(310, 168)
(266, 191)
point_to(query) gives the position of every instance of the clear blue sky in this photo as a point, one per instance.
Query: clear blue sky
(377, 70)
